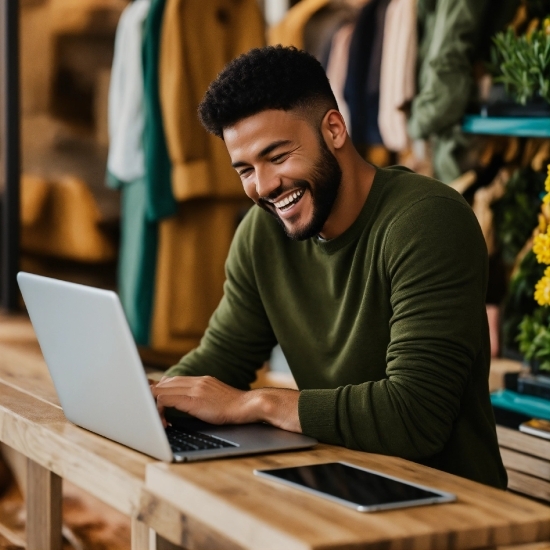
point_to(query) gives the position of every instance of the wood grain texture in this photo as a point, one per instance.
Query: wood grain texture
(525, 443)
(529, 485)
(43, 508)
(255, 513)
(526, 464)
(27, 373)
(180, 529)
(107, 470)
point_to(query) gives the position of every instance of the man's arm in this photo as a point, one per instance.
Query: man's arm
(435, 260)
(210, 381)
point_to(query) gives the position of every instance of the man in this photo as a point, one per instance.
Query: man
(371, 280)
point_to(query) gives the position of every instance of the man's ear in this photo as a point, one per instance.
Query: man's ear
(334, 129)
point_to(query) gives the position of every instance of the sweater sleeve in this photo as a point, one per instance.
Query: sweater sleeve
(446, 75)
(435, 261)
(239, 337)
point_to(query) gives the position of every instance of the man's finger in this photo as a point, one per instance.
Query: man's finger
(173, 400)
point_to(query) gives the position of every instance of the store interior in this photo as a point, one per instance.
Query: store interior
(121, 188)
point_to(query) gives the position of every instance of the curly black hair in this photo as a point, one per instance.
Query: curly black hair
(274, 77)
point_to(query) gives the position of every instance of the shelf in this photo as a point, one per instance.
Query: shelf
(518, 127)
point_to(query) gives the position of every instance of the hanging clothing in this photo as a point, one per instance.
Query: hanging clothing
(451, 32)
(191, 55)
(290, 30)
(125, 109)
(137, 260)
(323, 25)
(160, 198)
(337, 68)
(197, 40)
(397, 73)
(360, 54)
(126, 170)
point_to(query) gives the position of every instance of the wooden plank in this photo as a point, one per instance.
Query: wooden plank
(43, 508)
(16, 329)
(255, 513)
(525, 443)
(526, 464)
(178, 528)
(528, 485)
(27, 372)
(140, 535)
(111, 472)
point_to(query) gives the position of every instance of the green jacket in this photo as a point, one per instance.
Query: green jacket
(453, 36)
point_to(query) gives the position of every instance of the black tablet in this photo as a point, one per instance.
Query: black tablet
(359, 488)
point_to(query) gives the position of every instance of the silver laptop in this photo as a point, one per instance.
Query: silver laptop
(102, 386)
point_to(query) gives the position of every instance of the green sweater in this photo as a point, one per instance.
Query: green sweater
(384, 327)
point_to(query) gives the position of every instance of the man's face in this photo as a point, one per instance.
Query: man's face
(286, 168)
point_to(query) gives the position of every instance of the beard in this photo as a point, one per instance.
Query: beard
(323, 185)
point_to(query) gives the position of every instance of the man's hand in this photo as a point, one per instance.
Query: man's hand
(208, 399)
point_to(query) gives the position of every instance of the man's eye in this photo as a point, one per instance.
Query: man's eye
(243, 172)
(279, 158)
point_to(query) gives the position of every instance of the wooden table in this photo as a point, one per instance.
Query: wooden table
(220, 504)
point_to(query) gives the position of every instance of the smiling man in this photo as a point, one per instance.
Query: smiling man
(372, 281)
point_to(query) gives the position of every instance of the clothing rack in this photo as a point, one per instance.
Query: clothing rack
(10, 154)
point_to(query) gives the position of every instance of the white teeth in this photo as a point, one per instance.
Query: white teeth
(287, 200)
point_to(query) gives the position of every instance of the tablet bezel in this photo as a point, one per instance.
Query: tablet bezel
(438, 498)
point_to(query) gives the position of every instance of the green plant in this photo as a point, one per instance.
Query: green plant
(522, 63)
(516, 213)
(534, 338)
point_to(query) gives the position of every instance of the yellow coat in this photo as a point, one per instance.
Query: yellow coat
(198, 39)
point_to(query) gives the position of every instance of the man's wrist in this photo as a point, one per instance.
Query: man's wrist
(275, 406)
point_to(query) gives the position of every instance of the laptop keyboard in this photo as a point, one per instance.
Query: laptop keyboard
(194, 441)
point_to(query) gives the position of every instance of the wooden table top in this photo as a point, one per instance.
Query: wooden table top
(225, 497)
(221, 504)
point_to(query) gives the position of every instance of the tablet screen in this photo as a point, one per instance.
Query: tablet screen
(362, 488)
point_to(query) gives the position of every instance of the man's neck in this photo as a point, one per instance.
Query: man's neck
(357, 178)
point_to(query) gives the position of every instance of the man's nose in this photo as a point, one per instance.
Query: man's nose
(267, 183)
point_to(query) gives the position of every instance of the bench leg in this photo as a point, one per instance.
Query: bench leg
(144, 538)
(141, 536)
(43, 501)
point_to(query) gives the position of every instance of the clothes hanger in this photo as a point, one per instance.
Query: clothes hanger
(511, 152)
(529, 150)
(541, 156)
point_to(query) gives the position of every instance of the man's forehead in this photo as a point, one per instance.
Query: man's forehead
(252, 134)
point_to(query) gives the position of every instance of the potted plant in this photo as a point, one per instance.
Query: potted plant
(522, 65)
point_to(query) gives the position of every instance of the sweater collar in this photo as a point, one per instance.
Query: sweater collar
(363, 220)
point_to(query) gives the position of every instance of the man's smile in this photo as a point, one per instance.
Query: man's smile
(290, 200)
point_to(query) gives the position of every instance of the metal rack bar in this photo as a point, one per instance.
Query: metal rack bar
(10, 153)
